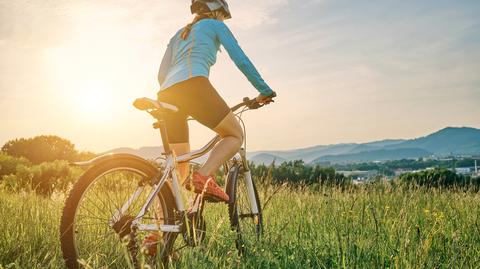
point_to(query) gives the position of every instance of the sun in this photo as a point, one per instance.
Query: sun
(92, 100)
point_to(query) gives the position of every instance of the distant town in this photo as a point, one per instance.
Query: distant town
(463, 165)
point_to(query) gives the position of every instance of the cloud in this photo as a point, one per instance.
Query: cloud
(347, 60)
(250, 13)
(51, 23)
(27, 24)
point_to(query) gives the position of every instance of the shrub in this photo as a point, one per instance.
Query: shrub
(44, 178)
(56, 175)
(298, 173)
(8, 164)
(439, 177)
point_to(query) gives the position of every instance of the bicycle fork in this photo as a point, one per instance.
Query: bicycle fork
(249, 183)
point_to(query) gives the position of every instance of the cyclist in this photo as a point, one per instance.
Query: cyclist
(183, 78)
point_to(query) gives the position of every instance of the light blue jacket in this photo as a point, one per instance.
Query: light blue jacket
(194, 56)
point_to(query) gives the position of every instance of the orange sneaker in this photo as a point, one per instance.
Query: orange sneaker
(206, 185)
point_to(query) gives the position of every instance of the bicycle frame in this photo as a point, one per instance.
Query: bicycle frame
(142, 199)
(170, 172)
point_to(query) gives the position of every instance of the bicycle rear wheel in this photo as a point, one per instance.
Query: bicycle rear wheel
(249, 226)
(90, 234)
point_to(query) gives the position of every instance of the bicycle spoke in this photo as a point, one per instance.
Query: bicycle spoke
(97, 240)
(105, 205)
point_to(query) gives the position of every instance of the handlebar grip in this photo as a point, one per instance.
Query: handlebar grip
(252, 103)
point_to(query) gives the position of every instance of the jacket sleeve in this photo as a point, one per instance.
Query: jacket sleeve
(241, 60)
(165, 65)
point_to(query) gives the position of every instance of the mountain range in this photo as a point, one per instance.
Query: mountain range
(446, 142)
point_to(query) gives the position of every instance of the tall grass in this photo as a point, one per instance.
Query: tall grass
(29, 231)
(367, 227)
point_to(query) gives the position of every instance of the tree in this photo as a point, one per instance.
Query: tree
(438, 177)
(42, 148)
(297, 172)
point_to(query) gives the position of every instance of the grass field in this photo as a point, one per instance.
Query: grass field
(368, 227)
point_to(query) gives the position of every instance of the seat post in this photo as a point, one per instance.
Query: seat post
(163, 134)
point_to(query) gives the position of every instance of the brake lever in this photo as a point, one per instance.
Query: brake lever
(254, 104)
(269, 101)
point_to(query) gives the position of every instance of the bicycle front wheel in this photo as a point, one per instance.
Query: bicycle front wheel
(92, 232)
(247, 223)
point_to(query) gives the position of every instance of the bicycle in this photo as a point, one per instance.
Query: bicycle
(121, 198)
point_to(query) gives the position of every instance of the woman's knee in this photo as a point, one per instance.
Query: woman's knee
(230, 127)
(237, 134)
(238, 141)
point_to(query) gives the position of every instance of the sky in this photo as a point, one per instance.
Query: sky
(344, 71)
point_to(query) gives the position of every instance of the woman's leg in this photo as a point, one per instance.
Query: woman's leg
(231, 133)
(178, 137)
(199, 99)
(183, 168)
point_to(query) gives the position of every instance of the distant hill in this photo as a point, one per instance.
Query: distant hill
(448, 141)
(266, 158)
(445, 142)
(375, 155)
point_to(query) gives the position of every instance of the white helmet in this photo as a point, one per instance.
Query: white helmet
(205, 6)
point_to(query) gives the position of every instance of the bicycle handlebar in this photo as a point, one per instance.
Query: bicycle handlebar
(252, 103)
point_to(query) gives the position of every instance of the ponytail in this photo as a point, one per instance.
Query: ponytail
(188, 28)
(211, 15)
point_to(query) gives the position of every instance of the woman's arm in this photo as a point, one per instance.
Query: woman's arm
(240, 59)
(165, 65)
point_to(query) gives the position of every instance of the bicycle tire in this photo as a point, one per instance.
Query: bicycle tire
(239, 221)
(68, 226)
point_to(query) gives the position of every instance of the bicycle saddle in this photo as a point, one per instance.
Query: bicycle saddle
(145, 103)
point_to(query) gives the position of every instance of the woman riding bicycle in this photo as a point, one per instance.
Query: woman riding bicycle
(183, 78)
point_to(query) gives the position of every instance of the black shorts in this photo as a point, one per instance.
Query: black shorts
(194, 97)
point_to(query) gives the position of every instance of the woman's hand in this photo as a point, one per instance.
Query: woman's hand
(262, 99)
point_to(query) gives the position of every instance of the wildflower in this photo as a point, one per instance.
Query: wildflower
(438, 216)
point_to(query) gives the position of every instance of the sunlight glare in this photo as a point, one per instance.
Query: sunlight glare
(92, 100)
